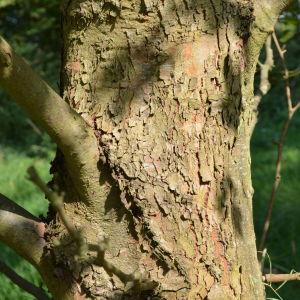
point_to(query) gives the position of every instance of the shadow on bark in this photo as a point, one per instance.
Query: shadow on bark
(227, 200)
(125, 88)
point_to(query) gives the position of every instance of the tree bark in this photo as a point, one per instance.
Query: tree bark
(167, 88)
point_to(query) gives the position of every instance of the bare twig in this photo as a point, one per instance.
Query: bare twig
(275, 183)
(280, 277)
(23, 283)
(291, 110)
(130, 280)
(34, 127)
(281, 53)
(58, 203)
(297, 106)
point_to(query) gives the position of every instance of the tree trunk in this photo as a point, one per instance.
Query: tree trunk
(167, 87)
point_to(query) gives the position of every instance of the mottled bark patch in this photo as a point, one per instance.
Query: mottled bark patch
(162, 84)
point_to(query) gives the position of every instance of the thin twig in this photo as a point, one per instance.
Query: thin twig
(276, 183)
(291, 110)
(274, 291)
(56, 200)
(297, 106)
(58, 203)
(285, 71)
(34, 127)
(22, 283)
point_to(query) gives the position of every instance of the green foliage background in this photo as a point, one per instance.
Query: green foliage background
(33, 26)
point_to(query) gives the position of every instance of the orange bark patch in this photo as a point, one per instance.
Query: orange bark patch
(188, 51)
(219, 255)
(40, 228)
(192, 70)
(192, 63)
(74, 66)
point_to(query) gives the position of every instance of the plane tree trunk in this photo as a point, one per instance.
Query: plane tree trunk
(166, 87)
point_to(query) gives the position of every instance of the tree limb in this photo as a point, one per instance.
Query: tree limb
(73, 136)
(24, 233)
(265, 15)
(40, 101)
(22, 283)
(281, 277)
(267, 12)
(21, 231)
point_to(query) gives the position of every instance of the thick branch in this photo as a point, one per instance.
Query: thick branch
(41, 102)
(21, 231)
(267, 12)
(73, 136)
(22, 283)
(265, 15)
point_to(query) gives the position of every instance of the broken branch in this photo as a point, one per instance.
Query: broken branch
(280, 277)
(21, 231)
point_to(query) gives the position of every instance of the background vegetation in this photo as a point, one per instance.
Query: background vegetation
(32, 27)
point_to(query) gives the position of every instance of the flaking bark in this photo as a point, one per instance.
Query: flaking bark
(167, 89)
